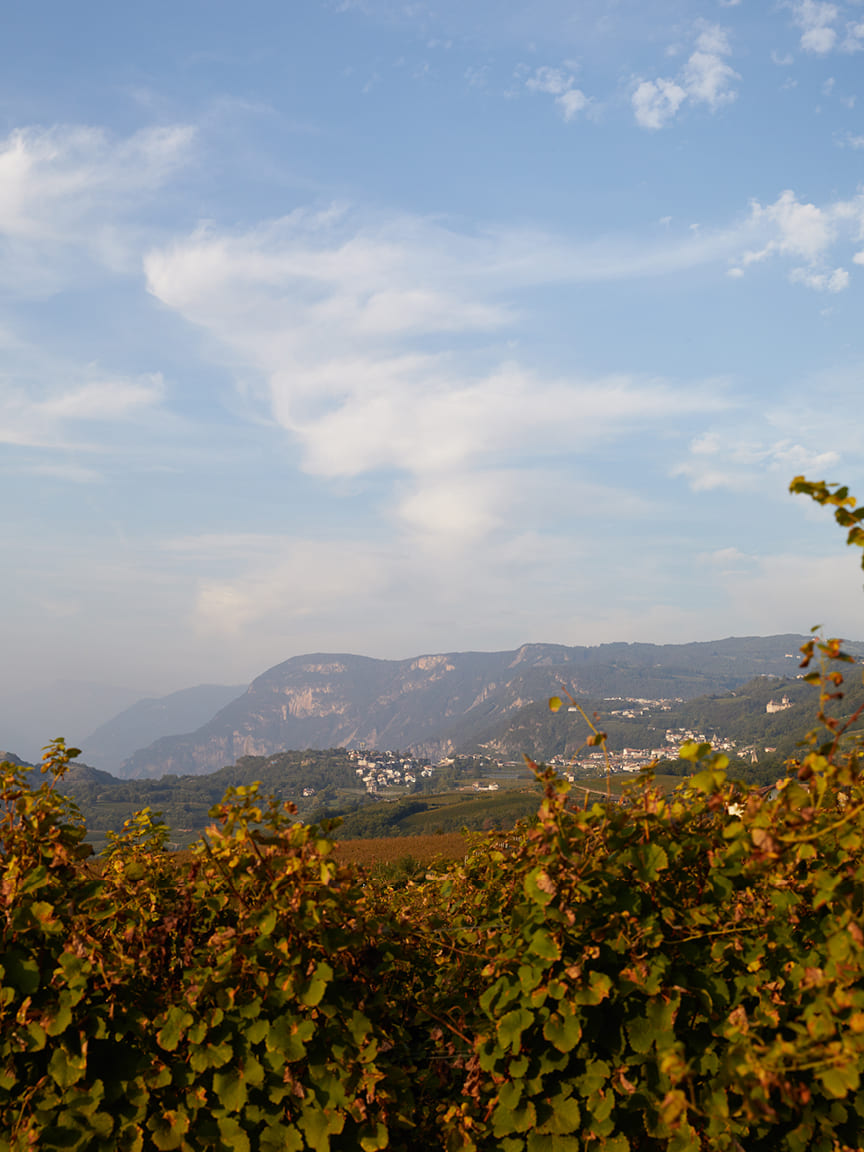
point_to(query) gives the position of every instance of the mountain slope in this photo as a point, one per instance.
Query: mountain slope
(433, 704)
(151, 719)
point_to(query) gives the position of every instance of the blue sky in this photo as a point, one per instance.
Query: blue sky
(406, 327)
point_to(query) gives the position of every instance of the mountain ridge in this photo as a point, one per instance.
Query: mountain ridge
(153, 717)
(433, 703)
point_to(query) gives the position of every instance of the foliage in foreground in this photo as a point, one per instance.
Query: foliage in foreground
(653, 975)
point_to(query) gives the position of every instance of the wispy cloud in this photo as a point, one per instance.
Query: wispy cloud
(28, 419)
(49, 178)
(560, 84)
(725, 461)
(75, 191)
(336, 319)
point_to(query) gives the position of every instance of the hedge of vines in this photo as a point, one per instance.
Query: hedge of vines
(669, 973)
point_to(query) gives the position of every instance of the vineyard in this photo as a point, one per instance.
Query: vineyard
(674, 972)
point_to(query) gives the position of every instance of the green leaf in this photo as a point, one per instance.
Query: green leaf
(177, 1020)
(650, 861)
(530, 975)
(563, 1031)
(317, 1124)
(506, 1121)
(511, 1026)
(555, 703)
(257, 1030)
(707, 782)
(233, 1135)
(543, 944)
(66, 1068)
(204, 1056)
(230, 1090)
(289, 1037)
(267, 922)
(566, 1115)
(37, 1035)
(839, 1081)
(373, 1139)
(279, 1138)
(75, 969)
(693, 751)
(641, 1034)
(539, 886)
(314, 991)
(43, 914)
(22, 972)
(61, 1019)
(34, 879)
(544, 1142)
(598, 989)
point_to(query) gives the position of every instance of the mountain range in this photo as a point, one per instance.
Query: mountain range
(146, 720)
(435, 704)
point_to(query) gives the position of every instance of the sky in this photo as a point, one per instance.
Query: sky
(393, 328)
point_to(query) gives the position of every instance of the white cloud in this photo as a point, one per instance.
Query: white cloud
(51, 179)
(335, 319)
(805, 232)
(104, 400)
(420, 419)
(656, 101)
(708, 79)
(560, 84)
(572, 102)
(815, 19)
(801, 229)
(458, 507)
(71, 193)
(725, 461)
(31, 420)
(553, 81)
(854, 39)
(705, 79)
(835, 281)
(338, 320)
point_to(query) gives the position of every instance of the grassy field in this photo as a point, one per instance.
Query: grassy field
(484, 810)
(392, 849)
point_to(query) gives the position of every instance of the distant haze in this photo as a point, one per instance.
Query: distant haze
(71, 709)
(148, 720)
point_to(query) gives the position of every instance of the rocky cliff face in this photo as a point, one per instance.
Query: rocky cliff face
(436, 704)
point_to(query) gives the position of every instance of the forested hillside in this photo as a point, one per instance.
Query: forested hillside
(738, 715)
